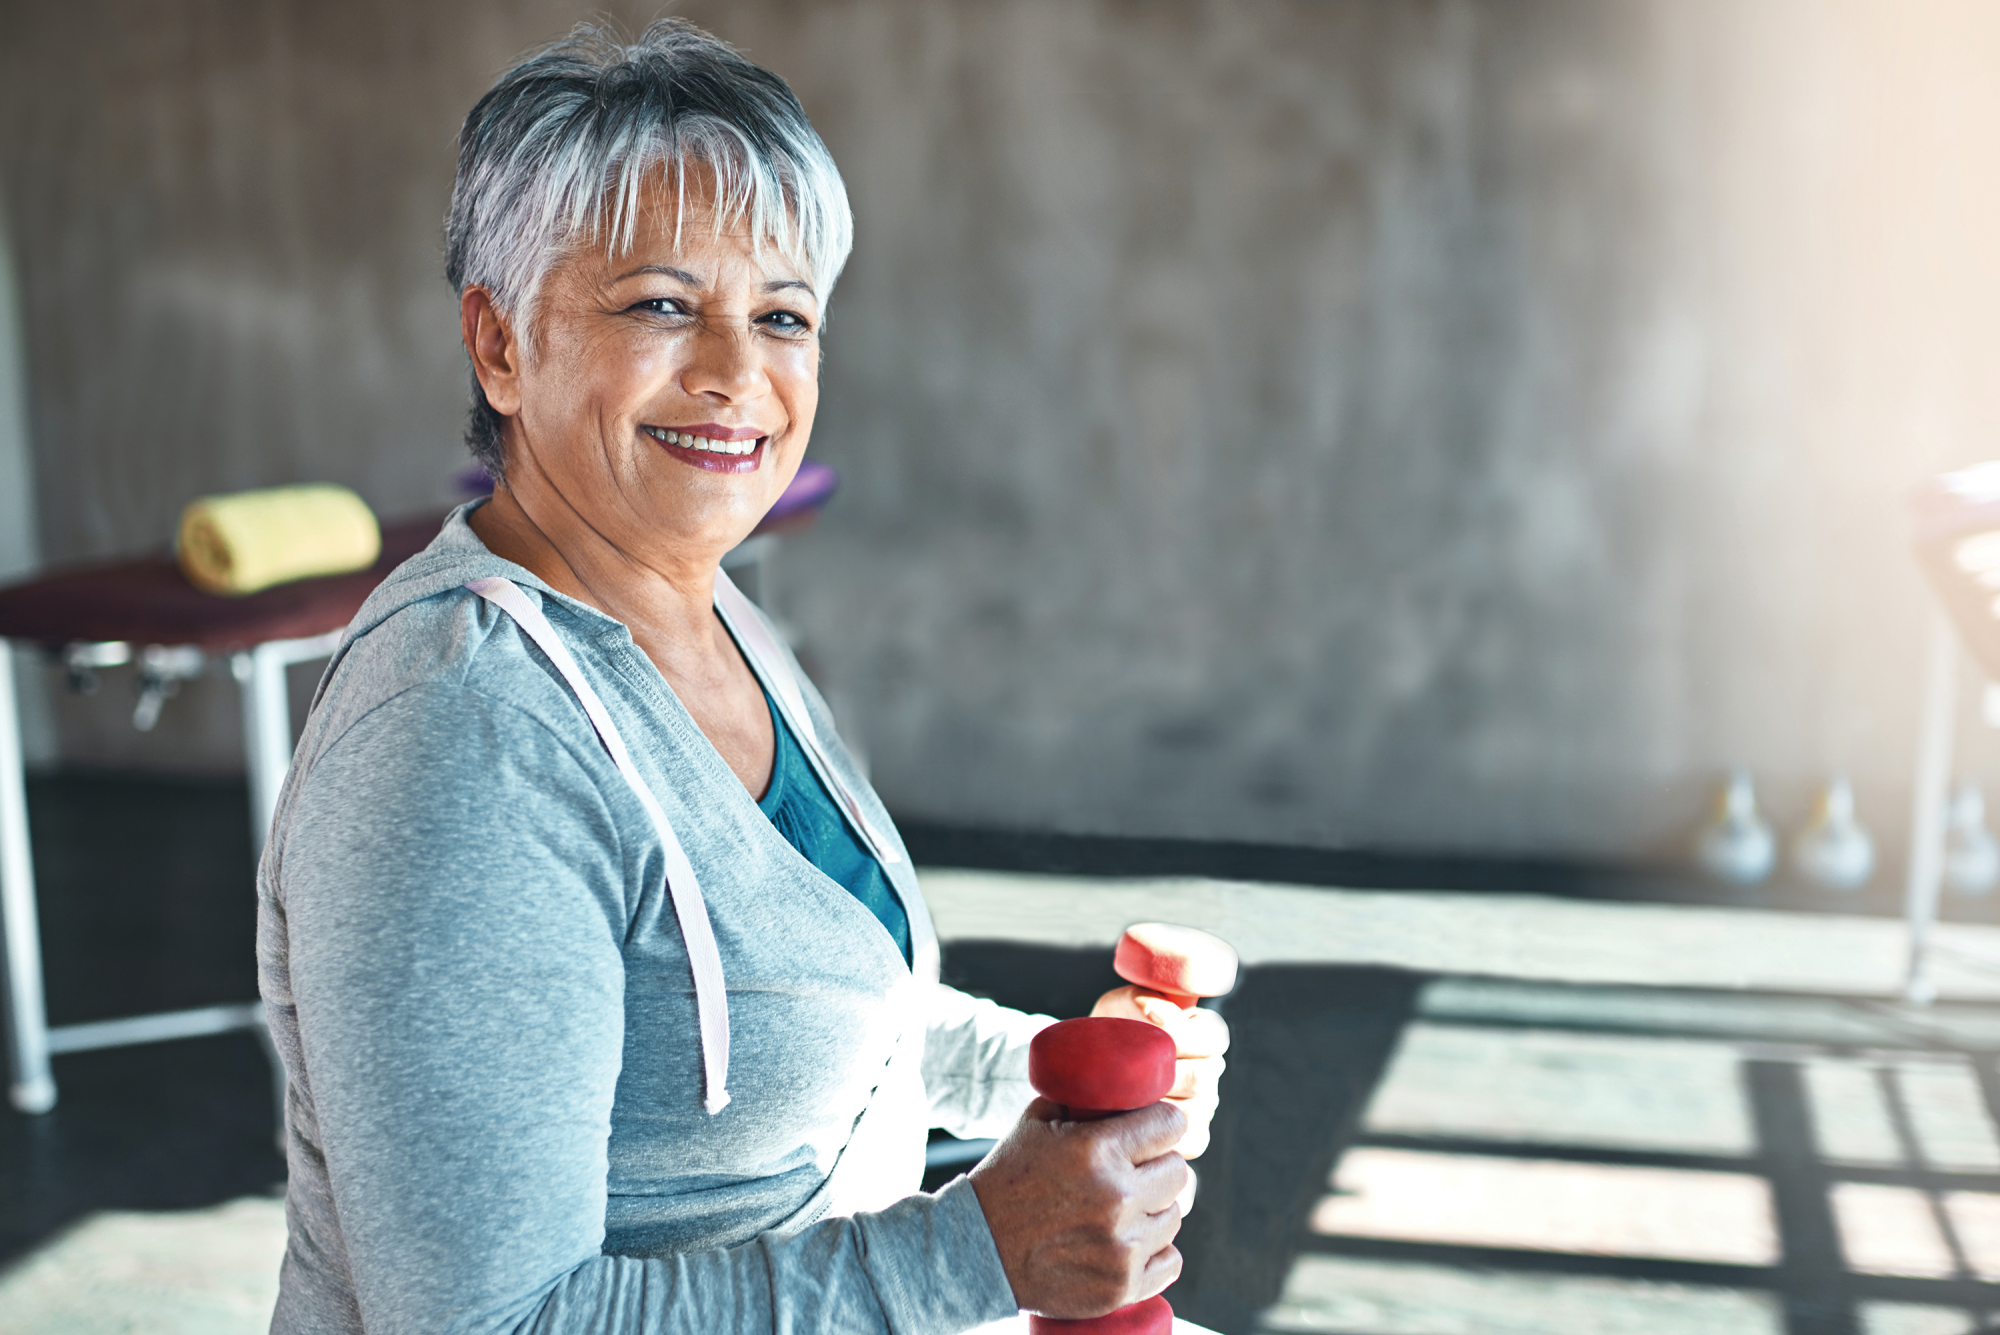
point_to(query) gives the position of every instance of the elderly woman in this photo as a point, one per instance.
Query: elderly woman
(605, 987)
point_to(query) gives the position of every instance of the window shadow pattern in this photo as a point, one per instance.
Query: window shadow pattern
(1813, 1286)
(1312, 1046)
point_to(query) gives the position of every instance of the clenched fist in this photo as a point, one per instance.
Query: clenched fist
(1200, 1038)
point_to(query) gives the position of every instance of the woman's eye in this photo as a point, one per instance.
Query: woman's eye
(786, 322)
(661, 306)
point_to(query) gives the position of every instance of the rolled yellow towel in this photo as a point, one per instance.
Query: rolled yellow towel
(250, 540)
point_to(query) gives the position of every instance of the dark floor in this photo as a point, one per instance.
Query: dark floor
(146, 902)
(167, 1126)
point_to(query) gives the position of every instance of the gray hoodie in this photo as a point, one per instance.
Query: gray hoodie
(475, 979)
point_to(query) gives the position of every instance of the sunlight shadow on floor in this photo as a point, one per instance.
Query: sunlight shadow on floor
(192, 1272)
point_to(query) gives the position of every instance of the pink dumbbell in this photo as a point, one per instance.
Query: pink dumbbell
(1182, 964)
(1101, 1066)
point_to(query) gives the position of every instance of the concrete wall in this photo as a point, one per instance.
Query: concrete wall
(1448, 425)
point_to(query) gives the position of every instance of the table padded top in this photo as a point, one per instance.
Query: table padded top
(148, 601)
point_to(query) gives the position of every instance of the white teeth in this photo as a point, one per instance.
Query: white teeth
(688, 440)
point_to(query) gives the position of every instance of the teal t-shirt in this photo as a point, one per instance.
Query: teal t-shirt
(804, 812)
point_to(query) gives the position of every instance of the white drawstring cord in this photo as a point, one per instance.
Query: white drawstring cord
(711, 997)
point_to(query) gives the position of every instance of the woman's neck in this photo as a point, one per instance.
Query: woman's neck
(666, 600)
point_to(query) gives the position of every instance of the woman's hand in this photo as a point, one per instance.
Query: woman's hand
(1201, 1037)
(1084, 1213)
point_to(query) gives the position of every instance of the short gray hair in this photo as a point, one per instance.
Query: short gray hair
(557, 153)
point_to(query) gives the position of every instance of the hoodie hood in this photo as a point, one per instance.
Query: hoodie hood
(454, 558)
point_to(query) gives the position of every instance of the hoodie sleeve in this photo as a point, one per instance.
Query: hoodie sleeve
(976, 1063)
(455, 966)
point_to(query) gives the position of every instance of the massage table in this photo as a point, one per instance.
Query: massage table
(144, 611)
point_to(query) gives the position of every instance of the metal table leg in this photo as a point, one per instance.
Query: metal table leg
(267, 733)
(30, 1086)
(267, 729)
(267, 720)
(1927, 808)
(267, 750)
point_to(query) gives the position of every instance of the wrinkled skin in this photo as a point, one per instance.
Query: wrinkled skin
(1084, 1213)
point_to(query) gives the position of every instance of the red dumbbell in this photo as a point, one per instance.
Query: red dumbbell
(1096, 1068)
(1101, 1066)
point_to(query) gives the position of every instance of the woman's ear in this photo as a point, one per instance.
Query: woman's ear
(496, 356)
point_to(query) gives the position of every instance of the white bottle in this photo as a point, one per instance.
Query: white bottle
(1737, 845)
(1834, 850)
(1971, 855)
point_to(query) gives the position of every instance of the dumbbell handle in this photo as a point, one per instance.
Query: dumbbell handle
(1098, 1068)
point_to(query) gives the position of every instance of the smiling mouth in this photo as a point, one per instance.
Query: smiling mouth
(729, 456)
(689, 441)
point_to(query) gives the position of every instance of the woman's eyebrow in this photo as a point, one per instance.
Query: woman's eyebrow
(680, 275)
(683, 276)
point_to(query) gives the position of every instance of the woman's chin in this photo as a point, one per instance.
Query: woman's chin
(701, 519)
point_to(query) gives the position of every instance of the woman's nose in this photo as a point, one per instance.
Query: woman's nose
(725, 366)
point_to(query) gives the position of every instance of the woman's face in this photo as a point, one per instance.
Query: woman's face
(668, 392)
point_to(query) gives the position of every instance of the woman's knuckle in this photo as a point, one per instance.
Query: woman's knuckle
(1110, 1289)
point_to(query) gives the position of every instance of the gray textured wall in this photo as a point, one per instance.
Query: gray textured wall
(1393, 422)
